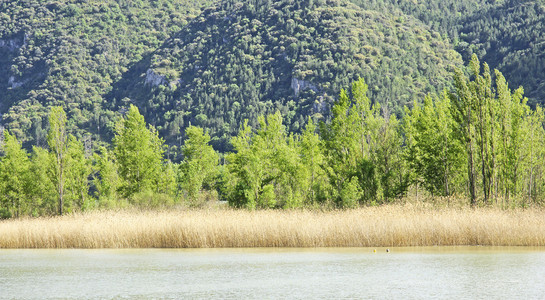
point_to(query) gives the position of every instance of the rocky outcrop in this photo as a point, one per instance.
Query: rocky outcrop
(13, 44)
(320, 106)
(13, 83)
(155, 79)
(299, 85)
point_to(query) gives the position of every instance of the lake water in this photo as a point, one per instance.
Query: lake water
(408, 273)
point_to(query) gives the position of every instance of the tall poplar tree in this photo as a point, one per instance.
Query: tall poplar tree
(57, 139)
(464, 111)
(433, 149)
(200, 164)
(139, 154)
(362, 148)
(106, 178)
(14, 177)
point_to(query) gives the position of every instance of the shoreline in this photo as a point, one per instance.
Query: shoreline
(384, 226)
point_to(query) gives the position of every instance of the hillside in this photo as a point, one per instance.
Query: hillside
(70, 53)
(510, 37)
(216, 63)
(443, 16)
(237, 61)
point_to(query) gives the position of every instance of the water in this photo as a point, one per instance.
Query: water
(408, 273)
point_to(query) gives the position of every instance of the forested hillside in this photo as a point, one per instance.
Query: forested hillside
(443, 16)
(239, 60)
(215, 63)
(510, 37)
(70, 53)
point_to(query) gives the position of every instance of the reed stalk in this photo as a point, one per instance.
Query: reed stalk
(385, 226)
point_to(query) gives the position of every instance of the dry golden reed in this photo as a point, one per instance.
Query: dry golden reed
(395, 225)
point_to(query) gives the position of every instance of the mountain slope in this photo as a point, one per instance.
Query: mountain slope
(240, 59)
(510, 38)
(70, 52)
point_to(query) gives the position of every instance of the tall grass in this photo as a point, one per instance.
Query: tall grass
(394, 225)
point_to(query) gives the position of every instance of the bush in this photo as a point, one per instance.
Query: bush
(5, 213)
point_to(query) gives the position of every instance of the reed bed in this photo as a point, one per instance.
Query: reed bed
(386, 226)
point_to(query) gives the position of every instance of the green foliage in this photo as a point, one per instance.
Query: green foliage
(481, 139)
(77, 175)
(15, 183)
(313, 161)
(509, 36)
(200, 165)
(363, 141)
(500, 133)
(266, 163)
(139, 154)
(106, 179)
(44, 190)
(433, 148)
(239, 60)
(57, 139)
(71, 53)
(215, 64)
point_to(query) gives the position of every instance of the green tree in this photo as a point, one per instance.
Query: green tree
(200, 164)
(494, 126)
(361, 142)
(14, 178)
(264, 164)
(58, 143)
(167, 184)
(433, 149)
(138, 153)
(106, 178)
(514, 116)
(464, 114)
(44, 189)
(313, 160)
(244, 175)
(77, 174)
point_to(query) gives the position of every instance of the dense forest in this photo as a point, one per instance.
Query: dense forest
(257, 86)
(236, 62)
(216, 63)
(481, 141)
(70, 53)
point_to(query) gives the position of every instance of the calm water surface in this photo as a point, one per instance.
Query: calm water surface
(408, 273)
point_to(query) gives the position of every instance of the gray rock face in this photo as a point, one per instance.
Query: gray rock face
(155, 79)
(13, 83)
(14, 44)
(320, 106)
(298, 85)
